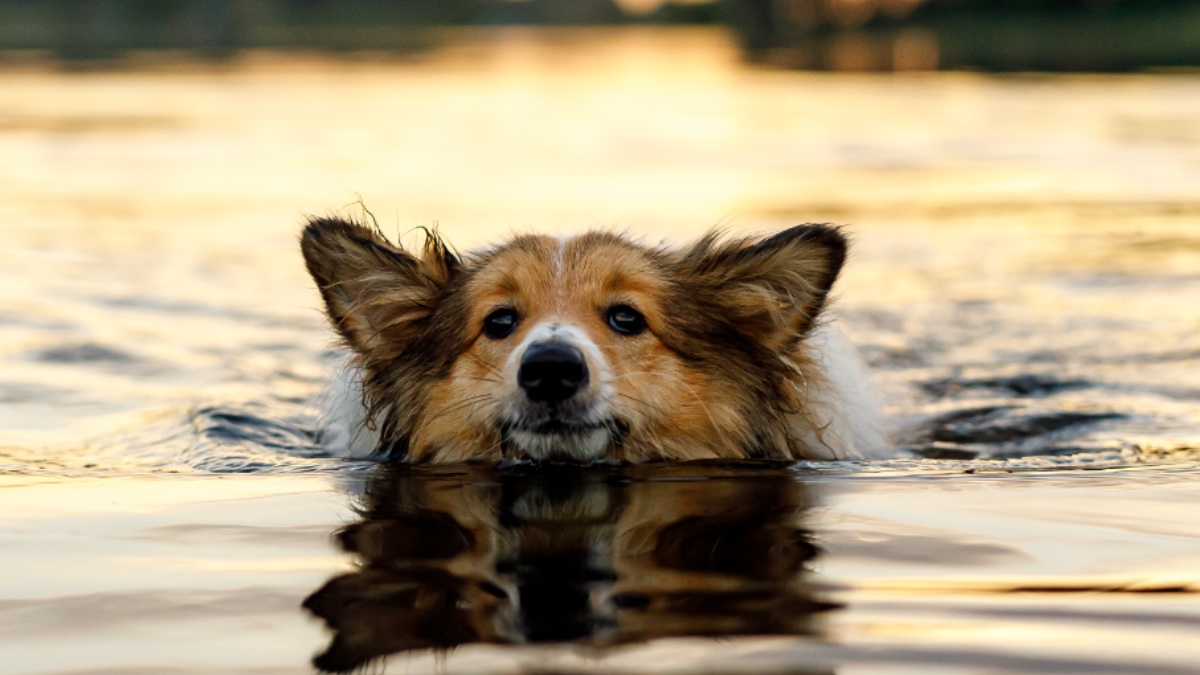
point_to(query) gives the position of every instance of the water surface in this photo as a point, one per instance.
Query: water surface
(1024, 283)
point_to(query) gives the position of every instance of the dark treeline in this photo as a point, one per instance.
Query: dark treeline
(998, 35)
(990, 35)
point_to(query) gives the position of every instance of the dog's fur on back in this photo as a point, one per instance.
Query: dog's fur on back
(714, 350)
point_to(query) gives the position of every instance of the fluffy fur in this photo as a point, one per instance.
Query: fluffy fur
(733, 360)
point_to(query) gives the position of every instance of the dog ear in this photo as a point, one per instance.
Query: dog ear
(377, 296)
(771, 290)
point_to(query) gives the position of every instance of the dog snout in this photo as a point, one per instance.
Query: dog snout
(552, 372)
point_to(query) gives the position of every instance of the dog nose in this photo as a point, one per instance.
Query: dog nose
(552, 372)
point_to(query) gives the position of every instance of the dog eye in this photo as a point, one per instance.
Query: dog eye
(626, 320)
(500, 323)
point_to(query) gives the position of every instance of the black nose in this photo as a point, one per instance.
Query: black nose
(552, 372)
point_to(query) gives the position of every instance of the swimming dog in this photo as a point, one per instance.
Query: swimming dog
(590, 348)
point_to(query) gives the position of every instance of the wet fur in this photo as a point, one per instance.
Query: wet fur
(731, 364)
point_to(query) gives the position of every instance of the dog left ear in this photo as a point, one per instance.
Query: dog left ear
(378, 296)
(771, 290)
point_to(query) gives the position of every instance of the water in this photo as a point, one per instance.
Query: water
(1024, 283)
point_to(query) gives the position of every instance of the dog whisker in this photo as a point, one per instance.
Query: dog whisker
(461, 404)
(691, 390)
(485, 364)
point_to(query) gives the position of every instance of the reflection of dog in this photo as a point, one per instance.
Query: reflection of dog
(591, 348)
(477, 555)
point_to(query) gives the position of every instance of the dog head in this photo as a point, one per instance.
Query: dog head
(590, 348)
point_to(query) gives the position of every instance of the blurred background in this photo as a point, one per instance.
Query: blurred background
(840, 35)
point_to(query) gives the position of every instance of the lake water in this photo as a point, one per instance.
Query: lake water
(1025, 282)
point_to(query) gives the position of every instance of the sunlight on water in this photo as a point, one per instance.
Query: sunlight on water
(1024, 283)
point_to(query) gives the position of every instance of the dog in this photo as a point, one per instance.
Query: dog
(591, 348)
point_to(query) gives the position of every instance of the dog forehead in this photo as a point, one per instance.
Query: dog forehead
(579, 268)
(522, 265)
(605, 262)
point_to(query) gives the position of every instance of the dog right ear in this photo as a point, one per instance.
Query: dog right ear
(378, 297)
(772, 289)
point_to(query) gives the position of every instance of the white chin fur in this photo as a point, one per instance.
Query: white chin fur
(583, 447)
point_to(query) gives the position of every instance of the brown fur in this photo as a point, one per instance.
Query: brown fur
(721, 371)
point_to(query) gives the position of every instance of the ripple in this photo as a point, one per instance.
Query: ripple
(82, 353)
(1025, 384)
(1064, 460)
(279, 437)
(217, 439)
